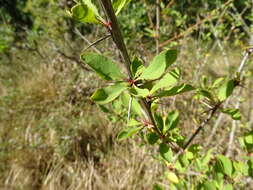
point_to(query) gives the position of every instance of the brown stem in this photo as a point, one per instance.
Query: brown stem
(119, 41)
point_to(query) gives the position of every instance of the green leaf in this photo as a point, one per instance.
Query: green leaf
(103, 66)
(228, 187)
(172, 177)
(226, 90)
(176, 90)
(133, 122)
(108, 94)
(217, 82)
(159, 121)
(152, 138)
(207, 157)
(159, 64)
(165, 152)
(139, 92)
(136, 107)
(171, 121)
(205, 93)
(137, 67)
(225, 164)
(85, 12)
(128, 132)
(234, 113)
(118, 5)
(168, 80)
(209, 185)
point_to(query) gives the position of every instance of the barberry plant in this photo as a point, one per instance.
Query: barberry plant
(138, 90)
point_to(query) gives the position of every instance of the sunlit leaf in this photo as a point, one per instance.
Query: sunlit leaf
(103, 66)
(108, 94)
(139, 92)
(165, 152)
(85, 12)
(128, 132)
(166, 81)
(118, 5)
(234, 113)
(159, 64)
(225, 165)
(176, 90)
(226, 90)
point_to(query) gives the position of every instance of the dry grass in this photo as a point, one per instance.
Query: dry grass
(53, 138)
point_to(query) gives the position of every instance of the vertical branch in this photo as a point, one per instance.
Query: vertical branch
(116, 34)
(158, 14)
(119, 41)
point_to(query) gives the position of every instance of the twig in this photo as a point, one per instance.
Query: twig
(215, 108)
(86, 40)
(96, 42)
(158, 14)
(239, 70)
(129, 108)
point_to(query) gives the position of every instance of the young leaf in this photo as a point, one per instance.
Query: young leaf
(137, 67)
(228, 187)
(226, 90)
(165, 152)
(103, 66)
(128, 132)
(234, 113)
(133, 122)
(168, 80)
(159, 64)
(176, 90)
(171, 121)
(226, 165)
(172, 177)
(139, 92)
(109, 93)
(85, 12)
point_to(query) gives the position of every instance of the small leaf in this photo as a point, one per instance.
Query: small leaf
(205, 93)
(139, 92)
(226, 90)
(159, 64)
(234, 113)
(137, 67)
(118, 5)
(217, 82)
(152, 138)
(85, 12)
(133, 122)
(168, 80)
(172, 177)
(226, 165)
(128, 132)
(165, 152)
(176, 90)
(159, 121)
(209, 185)
(171, 121)
(228, 187)
(108, 94)
(103, 66)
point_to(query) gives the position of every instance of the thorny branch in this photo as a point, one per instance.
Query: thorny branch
(212, 112)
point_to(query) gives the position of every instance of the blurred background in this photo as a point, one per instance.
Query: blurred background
(53, 137)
